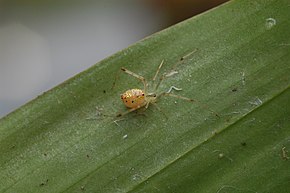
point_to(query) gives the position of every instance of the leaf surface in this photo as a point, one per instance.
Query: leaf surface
(69, 140)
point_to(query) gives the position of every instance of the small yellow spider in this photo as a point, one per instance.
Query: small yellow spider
(136, 98)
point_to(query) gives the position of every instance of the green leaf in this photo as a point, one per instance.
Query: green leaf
(69, 139)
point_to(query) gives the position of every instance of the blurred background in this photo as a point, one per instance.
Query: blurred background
(43, 43)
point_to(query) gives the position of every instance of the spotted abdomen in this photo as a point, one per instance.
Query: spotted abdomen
(133, 98)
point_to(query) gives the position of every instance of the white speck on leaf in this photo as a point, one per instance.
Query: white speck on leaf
(171, 73)
(256, 101)
(173, 88)
(270, 22)
(136, 177)
(243, 78)
(284, 44)
(284, 153)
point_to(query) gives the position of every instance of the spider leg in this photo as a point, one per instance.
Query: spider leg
(165, 75)
(141, 78)
(130, 110)
(189, 100)
(158, 108)
(183, 58)
(115, 80)
(147, 105)
(176, 96)
(172, 71)
(159, 67)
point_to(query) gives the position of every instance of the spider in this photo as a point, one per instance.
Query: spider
(135, 99)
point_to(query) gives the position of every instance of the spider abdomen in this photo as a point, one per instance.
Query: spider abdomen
(133, 98)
